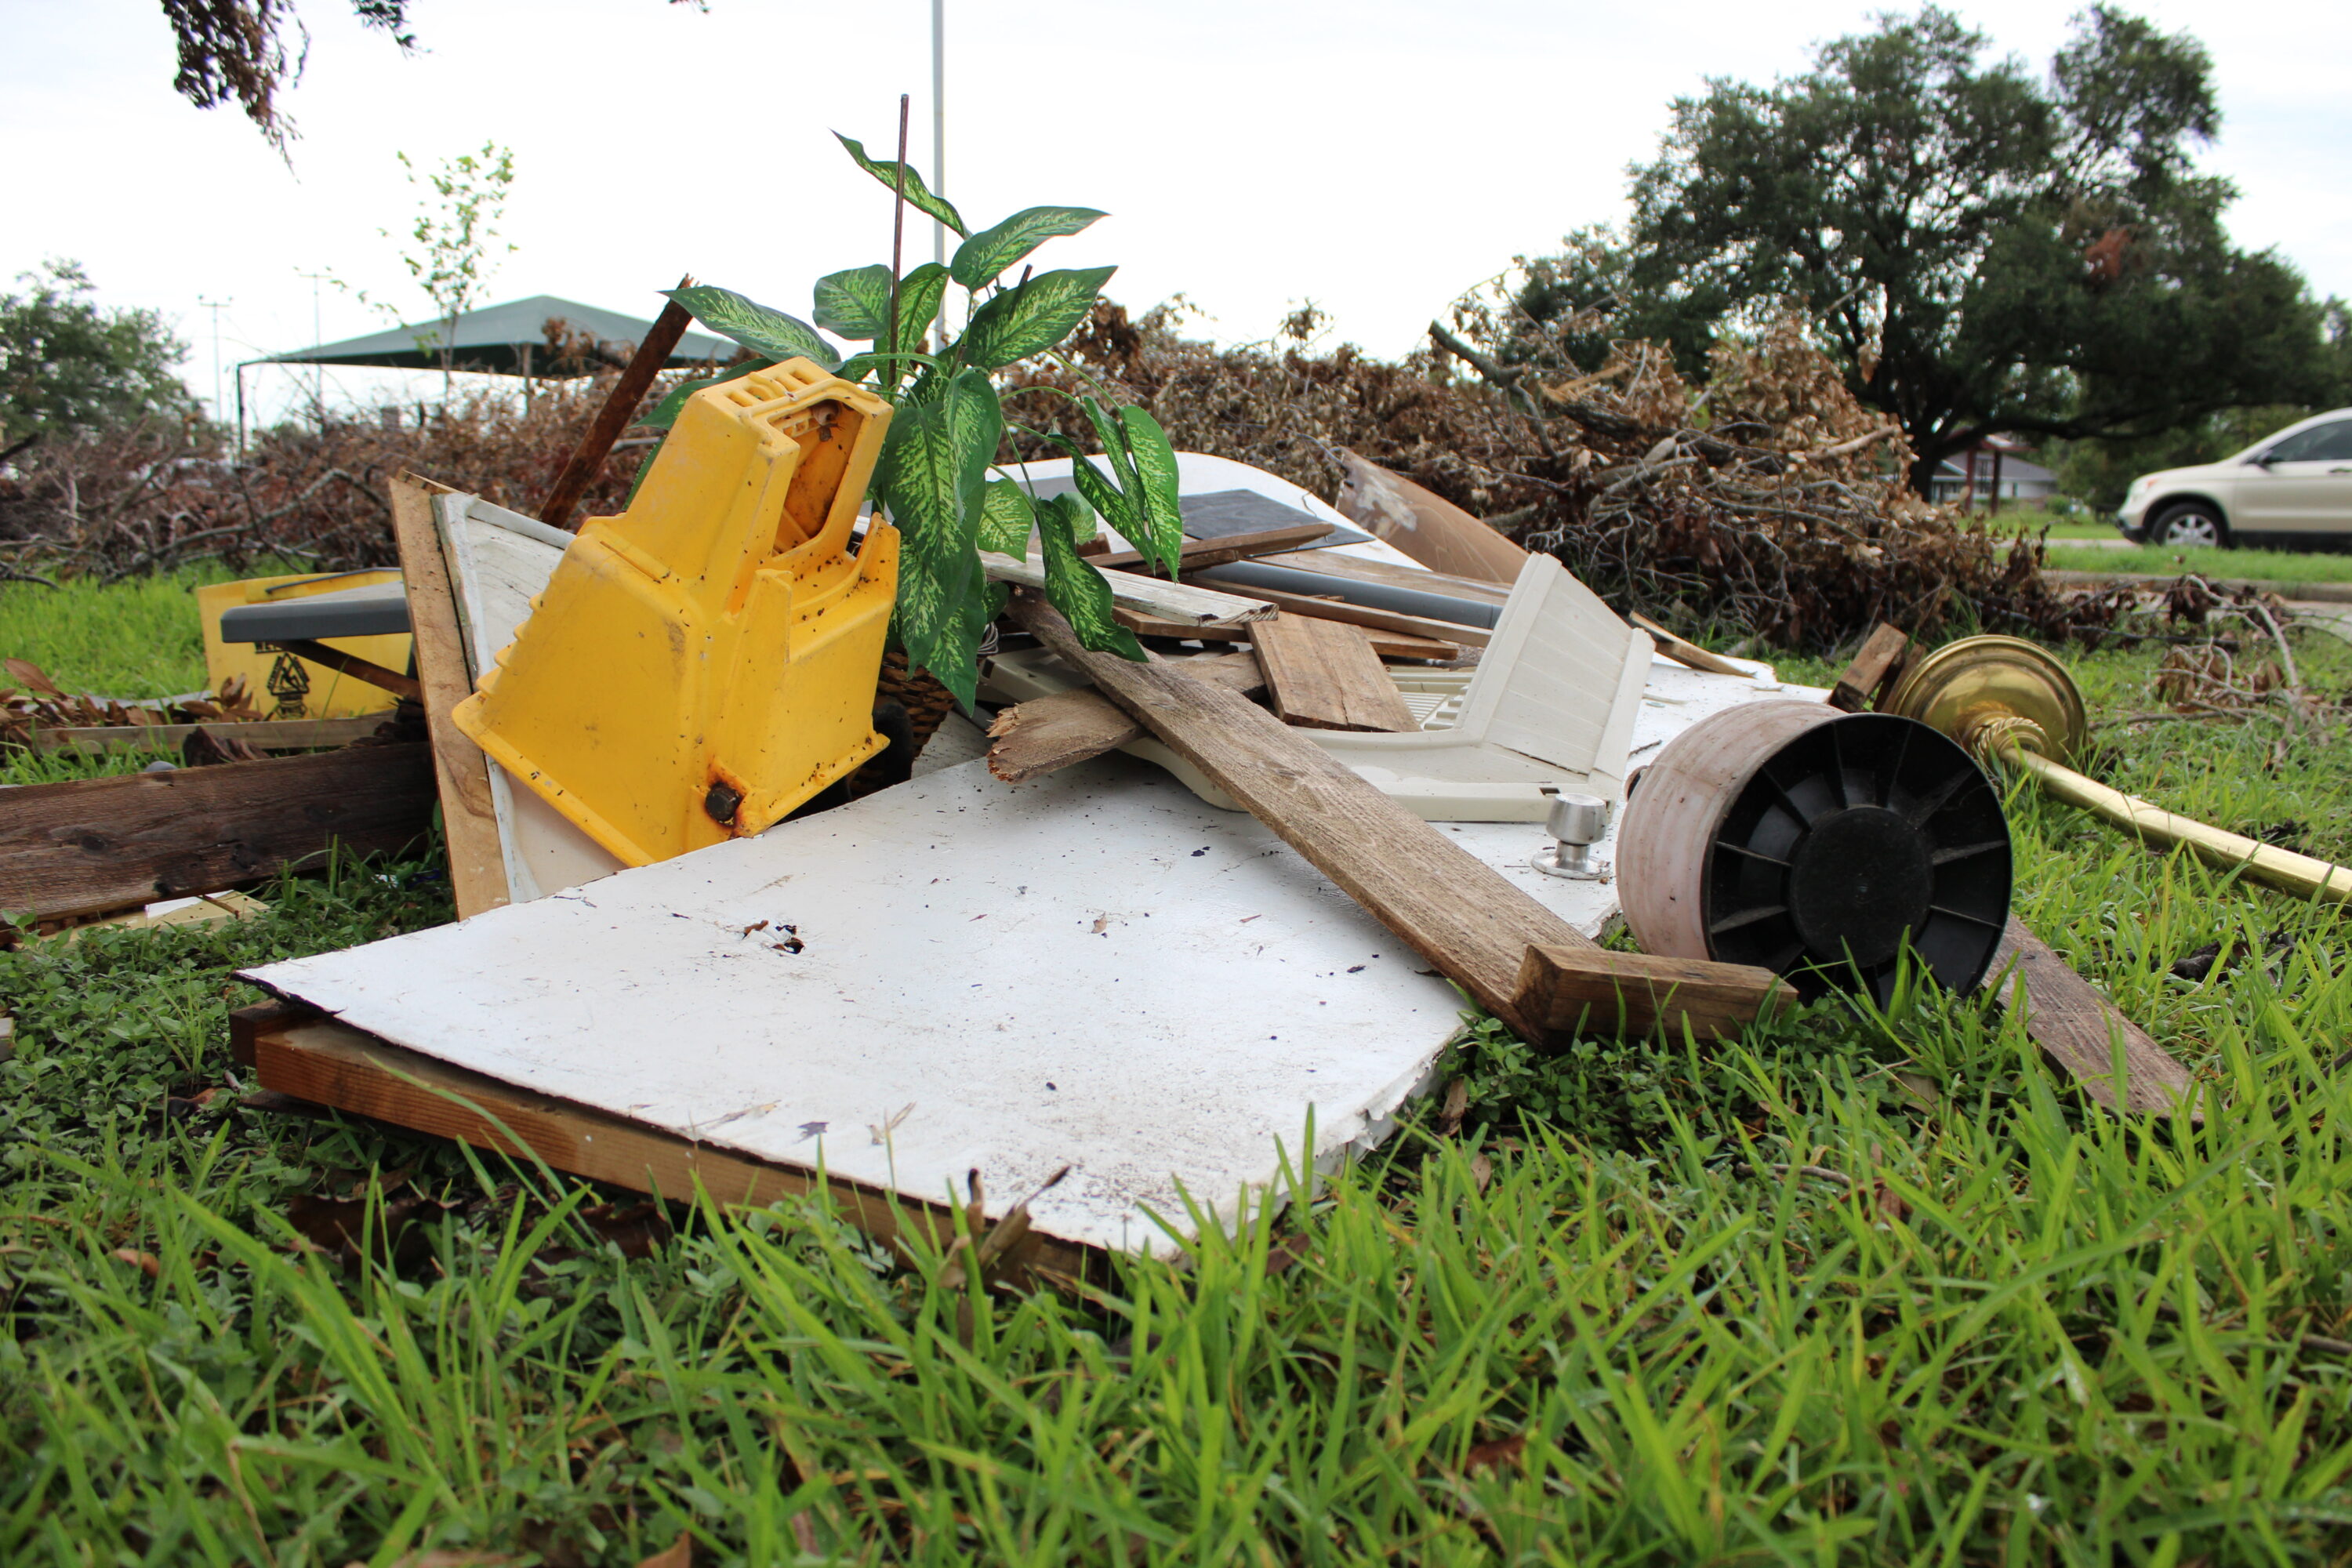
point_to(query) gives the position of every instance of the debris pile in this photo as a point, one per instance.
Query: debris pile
(1769, 503)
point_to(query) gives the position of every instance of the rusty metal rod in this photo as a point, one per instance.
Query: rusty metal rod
(620, 406)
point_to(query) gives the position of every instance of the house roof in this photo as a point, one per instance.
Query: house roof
(494, 338)
(2013, 467)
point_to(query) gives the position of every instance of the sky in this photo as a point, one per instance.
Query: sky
(1377, 157)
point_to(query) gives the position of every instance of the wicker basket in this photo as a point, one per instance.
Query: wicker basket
(927, 702)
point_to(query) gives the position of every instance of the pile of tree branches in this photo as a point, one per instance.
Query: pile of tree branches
(1769, 504)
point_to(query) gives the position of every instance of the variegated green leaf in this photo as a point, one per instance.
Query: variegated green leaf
(918, 195)
(854, 304)
(1075, 588)
(1104, 496)
(981, 259)
(760, 328)
(933, 465)
(666, 413)
(1154, 469)
(1005, 518)
(1032, 318)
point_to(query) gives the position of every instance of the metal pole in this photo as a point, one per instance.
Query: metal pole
(214, 306)
(940, 125)
(318, 341)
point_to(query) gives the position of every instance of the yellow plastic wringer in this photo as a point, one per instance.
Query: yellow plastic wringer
(705, 662)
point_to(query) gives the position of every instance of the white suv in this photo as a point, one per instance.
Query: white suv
(2292, 489)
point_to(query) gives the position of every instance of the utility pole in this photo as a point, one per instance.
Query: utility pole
(318, 341)
(215, 307)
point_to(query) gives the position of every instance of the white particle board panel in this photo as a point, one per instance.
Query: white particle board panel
(1095, 970)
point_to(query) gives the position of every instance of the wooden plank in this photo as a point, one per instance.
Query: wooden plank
(1322, 676)
(1882, 654)
(1199, 553)
(2078, 1026)
(477, 875)
(620, 408)
(93, 846)
(353, 665)
(1365, 616)
(268, 734)
(1044, 733)
(1357, 568)
(1584, 992)
(1687, 654)
(297, 1052)
(1446, 904)
(1388, 644)
(1180, 602)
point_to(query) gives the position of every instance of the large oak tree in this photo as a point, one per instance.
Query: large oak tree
(1986, 250)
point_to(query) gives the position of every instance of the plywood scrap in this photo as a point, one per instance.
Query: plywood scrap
(1321, 675)
(2080, 1028)
(1047, 733)
(298, 1052)
(203, 910)
(1873, 669)
(1570, 990)
(98, 846)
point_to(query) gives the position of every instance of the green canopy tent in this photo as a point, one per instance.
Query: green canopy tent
(542, 338)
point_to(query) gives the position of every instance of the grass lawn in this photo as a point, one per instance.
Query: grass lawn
(2262, 565)
(138, 639)
(2030, 517)
(1620, 1316)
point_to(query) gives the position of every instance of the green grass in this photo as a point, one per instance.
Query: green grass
(139, 639)
(2262, 565)
(1614, 1320)
(2030, 517)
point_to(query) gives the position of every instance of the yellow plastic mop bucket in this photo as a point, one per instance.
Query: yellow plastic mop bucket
(705, 662)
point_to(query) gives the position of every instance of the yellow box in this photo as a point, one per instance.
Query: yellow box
(283, 686)
(704, 663)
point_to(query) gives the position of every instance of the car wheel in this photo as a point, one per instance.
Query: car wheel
(2190, 523)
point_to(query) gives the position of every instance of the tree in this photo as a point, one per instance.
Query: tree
(1983, 251)
(67, 366)
(456, 239)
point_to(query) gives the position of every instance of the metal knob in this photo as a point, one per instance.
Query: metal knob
(1576, 822)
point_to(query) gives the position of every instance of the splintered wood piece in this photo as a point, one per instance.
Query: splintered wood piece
(1388, 644)
(2069, 1018)
(477, 873)
(93, 846)
(1687, 654)
(1200, 553)
(1322, 676)
(1449, 906)
(302, 1054)
(353, 665)
(1573, 991)
(1881, 656)
(1036, 737)
(1421, 523)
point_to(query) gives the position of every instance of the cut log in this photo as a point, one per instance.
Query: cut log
(1322, 676)
(1036, 737)
(1873, 669)
(299, 1053)
(2079, 1027)
(478, 876)
(95, 846)
(1580, 992)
